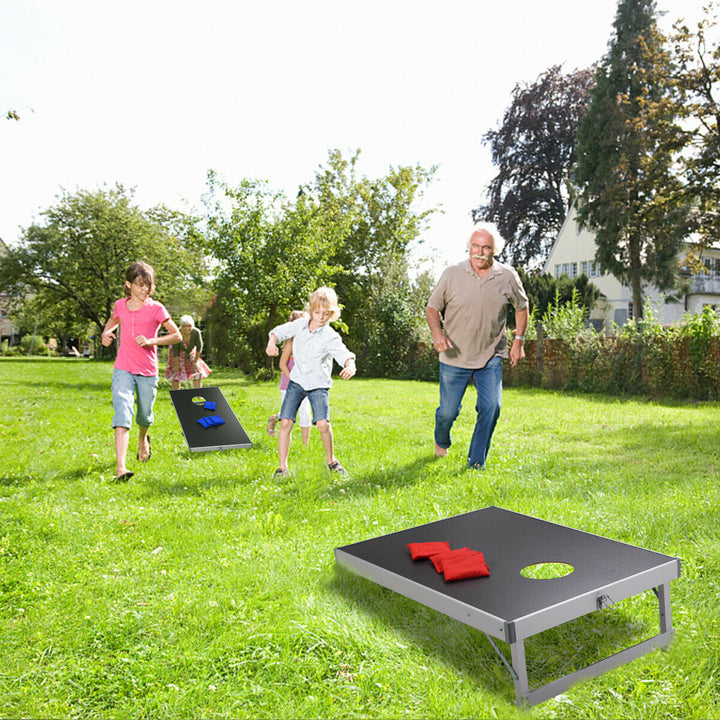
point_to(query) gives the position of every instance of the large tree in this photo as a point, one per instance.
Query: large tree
(270, 253)
(628, 144)
(534, 150)
(70, 267)
(351, 232)
(697, 81)
(382, 223)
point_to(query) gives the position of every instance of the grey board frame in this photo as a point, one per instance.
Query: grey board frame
(229, 436)
(509, 606)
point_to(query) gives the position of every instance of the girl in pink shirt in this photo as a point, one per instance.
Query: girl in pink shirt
(135, 372)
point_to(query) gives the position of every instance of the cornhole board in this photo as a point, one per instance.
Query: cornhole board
(510, 607)
(190, 407)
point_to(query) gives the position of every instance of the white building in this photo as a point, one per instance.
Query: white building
(573, 255)
(7, 330)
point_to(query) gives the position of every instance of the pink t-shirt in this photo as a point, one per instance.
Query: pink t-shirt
(143, 321)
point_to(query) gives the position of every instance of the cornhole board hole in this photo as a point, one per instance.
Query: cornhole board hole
(224, 432)
(509, 606)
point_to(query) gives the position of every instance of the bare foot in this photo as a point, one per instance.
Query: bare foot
(144, 452)
(439, 451)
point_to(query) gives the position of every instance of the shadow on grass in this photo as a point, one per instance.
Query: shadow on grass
(396, 477)
(550, 654)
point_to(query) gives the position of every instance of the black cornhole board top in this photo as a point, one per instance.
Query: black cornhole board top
(506, 604)
(229, 436)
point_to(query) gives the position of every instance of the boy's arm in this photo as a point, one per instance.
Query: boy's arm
(349, 369)
(282, 332)
(285, 359)
(272, 348)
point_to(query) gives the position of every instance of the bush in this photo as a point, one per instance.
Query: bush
(33, 343)
(643, 358)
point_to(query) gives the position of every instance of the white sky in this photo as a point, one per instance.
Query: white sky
(153, 93)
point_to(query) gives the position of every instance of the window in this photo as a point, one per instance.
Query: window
(712, 265)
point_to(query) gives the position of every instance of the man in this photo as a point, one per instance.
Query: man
(467, 314)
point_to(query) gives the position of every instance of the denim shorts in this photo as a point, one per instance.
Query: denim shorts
(295, 394)
(304, 413)
(125, 388)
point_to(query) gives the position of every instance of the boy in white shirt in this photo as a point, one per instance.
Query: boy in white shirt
(315, 345)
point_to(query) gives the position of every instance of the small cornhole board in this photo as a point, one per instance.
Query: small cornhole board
(207, 420)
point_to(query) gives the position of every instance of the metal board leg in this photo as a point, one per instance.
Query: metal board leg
(517, 653)
(663, 596)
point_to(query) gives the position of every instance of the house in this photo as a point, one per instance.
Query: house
(7, 330)
(573, 255)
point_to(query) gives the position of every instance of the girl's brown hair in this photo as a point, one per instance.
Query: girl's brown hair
(140, 271)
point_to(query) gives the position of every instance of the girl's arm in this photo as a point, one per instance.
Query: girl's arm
(285, 359)
(108, 333)
(171, 338)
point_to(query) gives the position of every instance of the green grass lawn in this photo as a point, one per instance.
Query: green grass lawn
(204, 588)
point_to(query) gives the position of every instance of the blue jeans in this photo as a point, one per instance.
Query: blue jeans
(488, 383)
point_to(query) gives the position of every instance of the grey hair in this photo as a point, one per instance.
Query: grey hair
(492, 230)
(187, 320)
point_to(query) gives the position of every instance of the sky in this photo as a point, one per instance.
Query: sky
(154, 93)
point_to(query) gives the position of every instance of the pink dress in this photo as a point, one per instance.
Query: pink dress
(184, 361)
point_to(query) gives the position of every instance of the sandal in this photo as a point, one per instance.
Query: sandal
(124, 477)
(281, 473)
(272, 422)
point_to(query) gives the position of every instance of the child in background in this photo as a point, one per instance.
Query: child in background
(315, 345)
(135, 371)
(286, 365)
(184, 361)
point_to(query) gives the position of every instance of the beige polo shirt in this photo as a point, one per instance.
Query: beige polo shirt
(474, 311)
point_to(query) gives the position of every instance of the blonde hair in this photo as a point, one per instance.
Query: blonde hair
(325, 298)
(491, 229)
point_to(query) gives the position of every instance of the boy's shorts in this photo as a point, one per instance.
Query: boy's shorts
(295, 394)
(125, 386)
(304, 413)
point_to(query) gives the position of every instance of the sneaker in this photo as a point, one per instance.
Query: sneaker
(336, 467)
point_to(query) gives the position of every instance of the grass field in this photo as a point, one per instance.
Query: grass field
(203, 588)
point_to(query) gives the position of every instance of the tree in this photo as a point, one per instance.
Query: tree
(341, 230)
(544, 291)
(380, 223)
(271, 254)
(628, 144)
(70, 268)
(534, 149)
(697, 56)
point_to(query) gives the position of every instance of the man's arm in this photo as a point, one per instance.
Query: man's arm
(517, 351)
(441, 342)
